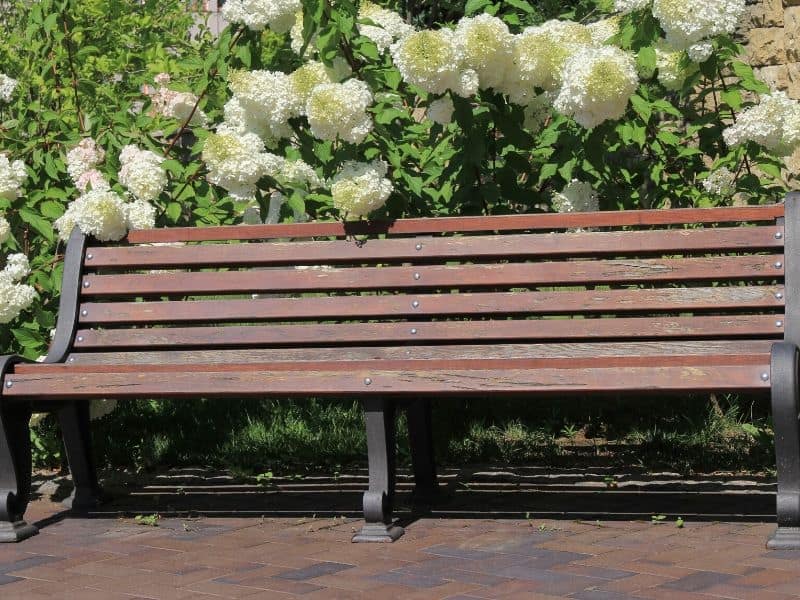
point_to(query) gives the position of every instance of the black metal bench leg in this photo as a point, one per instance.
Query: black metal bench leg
(379, 415)
(15, 472)
(74, 419)
(420, 435)
(785, 412)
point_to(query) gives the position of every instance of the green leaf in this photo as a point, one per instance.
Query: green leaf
(41, 225)
(173, 211)
(642, 107)
(475, 6)
(522, 5)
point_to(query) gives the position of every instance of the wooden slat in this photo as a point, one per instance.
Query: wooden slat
(430, 305)
(401, 382)
(354, 333)
(617, 243)
(574, 272)
(463, 224)
(574, 350)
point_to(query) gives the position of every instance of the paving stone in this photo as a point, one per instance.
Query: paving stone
(409, 579)
(698, 581)
(6, 579)
(600, 595)
(317, 570)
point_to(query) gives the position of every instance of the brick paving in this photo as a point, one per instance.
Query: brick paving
(106, 556)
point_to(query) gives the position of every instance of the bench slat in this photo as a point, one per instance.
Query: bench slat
(574, 272)
(353, 333)
(431, 305)
(530, 222)
(456, 352)
(369, 381)
(615, 243)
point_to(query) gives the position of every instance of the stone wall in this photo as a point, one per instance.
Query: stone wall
(772, 33)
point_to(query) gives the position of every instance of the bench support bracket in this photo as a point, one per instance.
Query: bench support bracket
(379, 415)
(15, 464)
(785, 412)
(74, 420)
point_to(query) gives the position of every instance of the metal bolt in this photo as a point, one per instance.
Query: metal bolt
(86, 284)
(765, 377)
(419, 246)
(414, 331)
(778, 323)
(71, 359)
(89, 256)
(367, 381)
(417, 276)
(778, 235)
(779, 295)
(80, 338)
(415, 304)
(84, 312)
(778, 264)
(9, 383)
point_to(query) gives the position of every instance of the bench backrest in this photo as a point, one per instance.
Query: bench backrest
(684, 274)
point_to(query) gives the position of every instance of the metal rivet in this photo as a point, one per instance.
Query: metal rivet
(9, 383)
(86, 284)
(779, 295)
(764, 376)
(419, 246)
(71, 359)
(89, 256)
(415, 304)
(778, 323)
(417, 275)
(367, 381)
(778, 235)
(80, 338)
(778, 264)
(84, 312)
(414, 331)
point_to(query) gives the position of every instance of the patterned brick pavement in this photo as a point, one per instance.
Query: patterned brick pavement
(456, 558)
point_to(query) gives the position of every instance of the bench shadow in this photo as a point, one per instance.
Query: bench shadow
(473, 492)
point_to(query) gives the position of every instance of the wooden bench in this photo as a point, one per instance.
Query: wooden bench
(399, 314)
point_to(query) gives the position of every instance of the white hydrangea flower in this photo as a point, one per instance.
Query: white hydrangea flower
(278, 15)
(100, 213)
(141, 173)
(382, 38)
(773, 123)
(603, 30)
(237, 161)
(12, 176)
(91, 179)
(266, 98)
(174, 105)
(700, 52)
(339, 110)
(540, 54)
(140, 214)
(84, 157)
(17, 266)
(537, 112)
(360, 188)
(577, 196)
(432, 60)
(7, 87)
(441, 110)
(298, 173)
(14, 297)
(721, 182)
(389, 21)
(488, 48)
(303, 81)
(598, 82)
(5, 229)
(687, 22)
(627, 6)
(671, 73)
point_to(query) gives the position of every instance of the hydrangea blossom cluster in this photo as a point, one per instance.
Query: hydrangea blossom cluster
(774, 124)
(339, 110)
(14, 295)
(81, 163)
(628, 6)
(388, 25)
(577, 196)
(172, 104)
(278, 15)
(669, 62)
(5, 229)
(12, 176)
(7, 87)
(598, 82)
(360, 188)
(721, 182)
(236, 161)
(100, 213)
(687, 22)
(488, 48)
(441, 110)
(141, 173)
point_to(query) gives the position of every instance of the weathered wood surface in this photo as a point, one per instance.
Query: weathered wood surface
(432, 305)
(316, 334)
(533, 222)
(573, 272)
(574, 350)
(596, 243)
